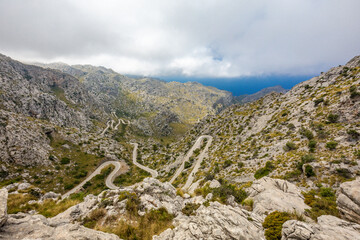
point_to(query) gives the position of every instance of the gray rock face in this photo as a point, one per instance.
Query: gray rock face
(3, 206)
(154, 194)
(328, 227)
(216, 222)
(348, 200)
(276, 195)
(24, 226)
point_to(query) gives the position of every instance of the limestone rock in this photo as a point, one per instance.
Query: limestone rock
(214, 184)
(51, 195)
(216, 222)
(24, 226)
(328, 227)
(24, 186)
(276, 195)
(3, 206)
(348, 200)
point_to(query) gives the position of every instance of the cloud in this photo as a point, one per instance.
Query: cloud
(227, 38)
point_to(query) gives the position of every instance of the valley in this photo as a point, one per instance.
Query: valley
(86, 148)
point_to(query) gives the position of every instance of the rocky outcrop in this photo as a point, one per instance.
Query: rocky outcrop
(328, 227)
(25, 226)
(348, 200)
(271, 195)
(3, 206)
(216, 222)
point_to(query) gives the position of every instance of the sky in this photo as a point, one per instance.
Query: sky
(214, 39)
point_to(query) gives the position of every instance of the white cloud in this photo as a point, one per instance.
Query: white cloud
(193, 38)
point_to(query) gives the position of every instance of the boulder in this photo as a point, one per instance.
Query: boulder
(214, 184)
(24, 186)
(328, 227)
(216, 222)
(271, 195)
(3, 206)
(348, 200)
(51, 195)
(25, 226)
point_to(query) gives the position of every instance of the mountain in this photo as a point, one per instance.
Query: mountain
(253, 97)
(158, 106)
(285, 166)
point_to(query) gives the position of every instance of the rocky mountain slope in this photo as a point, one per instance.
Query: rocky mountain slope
(283, 167)
(158, 106)
(308, 135)
(262, 93)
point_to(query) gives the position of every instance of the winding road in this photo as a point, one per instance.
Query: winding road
(196, 145)
(108, 182)
(153, 173)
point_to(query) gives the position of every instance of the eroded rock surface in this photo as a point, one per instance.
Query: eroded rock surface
(25, 226)
(216, 222)
(328, 227)
(276, 195)
(348, 200)
(3, 206)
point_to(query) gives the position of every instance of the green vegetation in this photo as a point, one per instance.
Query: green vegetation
(306, 133)
(262, 172)
(134, 175)
(353, 91)
(312, 145)
(331, 145)
(135, 227)
(290, 146)
(353, 134)
(223, 192)
(273, 224)
(309, 171)
(322, 202)
(190, 209)
(332, 118)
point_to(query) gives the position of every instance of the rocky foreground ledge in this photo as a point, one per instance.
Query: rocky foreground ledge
(211, 220)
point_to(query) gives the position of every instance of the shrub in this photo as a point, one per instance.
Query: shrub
(65, 160)
(357, 153)
(331, 145)
(344, 172)
(262, 172)
(307, 133)
(227, 163)
(190, 208)
(273, 224)
(312, 145)
(318, 101)
(322, 202)
(240, 164)
(332, 118)
(353, 134)
(353, 91)
(309, 171)
(289, 146)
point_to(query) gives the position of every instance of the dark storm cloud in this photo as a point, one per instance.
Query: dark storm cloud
(196, 38)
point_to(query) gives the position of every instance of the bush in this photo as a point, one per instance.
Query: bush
(357, 154)
(190, 208)
(353, 91)
(262, 172)
(331, 145)
(322, 202)
(65, 160)
(353, 134)
(290, 146)
(309, 171)
(273, 224)
(332, 118)
(307, 133)
(312, 145)
(344, 172)
(227, 163)
(318, 101)
(240, 164)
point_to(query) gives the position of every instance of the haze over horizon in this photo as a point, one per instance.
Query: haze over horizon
(185, 39)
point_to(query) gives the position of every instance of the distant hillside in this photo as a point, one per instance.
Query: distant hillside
(253, 97)
(156, 105)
